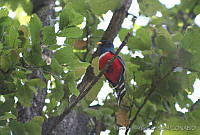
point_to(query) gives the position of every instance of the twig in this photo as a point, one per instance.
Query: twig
(152, 90)
(153, 38)
(192, 70)
(5, 92)
(94, 81)
(194, 106)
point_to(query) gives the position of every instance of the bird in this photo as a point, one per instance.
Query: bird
(115, 74)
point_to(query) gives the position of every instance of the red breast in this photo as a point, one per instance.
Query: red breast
(115, 69)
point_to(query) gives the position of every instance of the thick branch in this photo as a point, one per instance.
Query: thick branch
(151, 91)
(116, 21)
(115, 24)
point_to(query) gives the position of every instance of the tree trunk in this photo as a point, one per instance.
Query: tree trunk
(73, 124)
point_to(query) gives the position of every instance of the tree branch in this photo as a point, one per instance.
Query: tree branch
(116, 21)
(94, 81)
(194, 106)
(5, 92)
(115, 24)
(188, 15)
(151, 91)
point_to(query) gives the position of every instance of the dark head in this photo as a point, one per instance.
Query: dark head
(105, 46)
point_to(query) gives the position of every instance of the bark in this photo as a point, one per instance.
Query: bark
(116, 21)
(45, 11)
(75, 123)
(27, 113)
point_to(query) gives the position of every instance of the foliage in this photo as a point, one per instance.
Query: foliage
(166, 43)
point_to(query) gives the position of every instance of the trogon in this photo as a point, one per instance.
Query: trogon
(115, 73)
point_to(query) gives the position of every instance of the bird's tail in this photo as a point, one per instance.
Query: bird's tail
(121, 91)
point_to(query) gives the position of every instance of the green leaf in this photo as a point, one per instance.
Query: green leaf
(100, 7)
(70, 80)
(20, 74)
(7, 106)
(197, 10)
(137, 44)
(37, 83)
(51, 106)
(195, 113)
(92, 94)
(49, 36)
(142, 40)
(144, 78)
(61, 108)
(24, 94)
(130, 69)
(156, 132)
(32, 127)
(64, 55)
(6, 21)
(69, 17)
(56, 67)
(16, 127)
(99, 113)
(4, 131)
(80, 69)
(1, 45)
(191, 39)
(7, 116)
(3, 12)
(123, 32)
(27, 6)
(149, 7)
(36, 54)
(35, 27)
(58, 91)
(164, 40)
(12, 38)
(95, 65)
(71, 32)
(81, 6)
(9, 60)
(180, 126)
(184, 58)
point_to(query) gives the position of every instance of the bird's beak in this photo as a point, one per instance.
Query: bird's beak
(99, 43)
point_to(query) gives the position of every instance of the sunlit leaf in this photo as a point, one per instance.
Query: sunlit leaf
(102, 6)
(69, 17)
(71, 32)
(3, 12)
